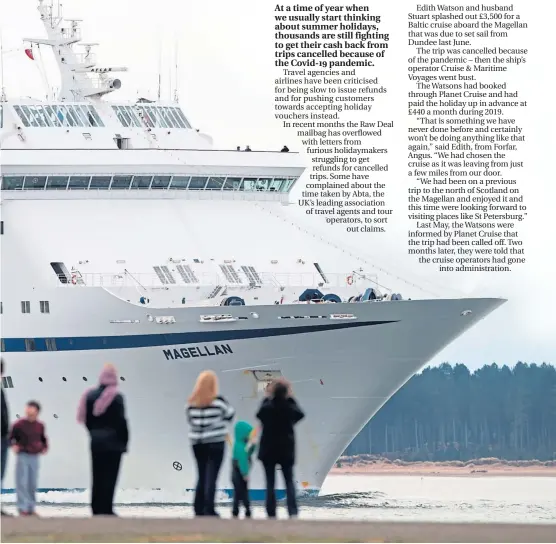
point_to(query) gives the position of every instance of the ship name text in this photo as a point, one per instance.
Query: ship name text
(198, 351)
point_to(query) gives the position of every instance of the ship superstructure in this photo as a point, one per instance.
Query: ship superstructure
(126, 237)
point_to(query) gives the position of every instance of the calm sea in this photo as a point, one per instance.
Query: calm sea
(434, 498)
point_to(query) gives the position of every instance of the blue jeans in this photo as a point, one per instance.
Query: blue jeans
(5, 449)
(26, 475)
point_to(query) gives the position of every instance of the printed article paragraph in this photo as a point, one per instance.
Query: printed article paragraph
(327, 93)
(464, 141)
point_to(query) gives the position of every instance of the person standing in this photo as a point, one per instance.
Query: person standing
(241, 465)
(5, 431)
(102, 411)
(278, 414)
(207, 413)
(28, 438)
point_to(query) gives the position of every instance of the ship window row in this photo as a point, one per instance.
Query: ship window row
(152, 116)
(123, 182)
(188, 275)
(44, 306)
(77, 115)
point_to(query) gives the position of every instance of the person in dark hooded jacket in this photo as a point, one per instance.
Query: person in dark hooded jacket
(278, 414)
(5, 431)
(102, 411)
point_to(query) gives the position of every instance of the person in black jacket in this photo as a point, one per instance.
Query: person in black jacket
(279, 412)
(5, 431)
(102, 411)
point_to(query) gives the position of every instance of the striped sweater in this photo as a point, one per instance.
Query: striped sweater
(208, 424)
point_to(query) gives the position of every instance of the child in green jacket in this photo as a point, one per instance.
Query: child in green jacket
(241, 464)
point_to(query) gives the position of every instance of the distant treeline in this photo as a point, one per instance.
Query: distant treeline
(448, 413)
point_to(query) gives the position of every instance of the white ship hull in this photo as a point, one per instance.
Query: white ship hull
(341, 376)
(122, 226)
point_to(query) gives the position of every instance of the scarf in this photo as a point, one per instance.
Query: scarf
(109, 379)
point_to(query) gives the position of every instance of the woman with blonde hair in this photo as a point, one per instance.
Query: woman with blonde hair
(208, 414)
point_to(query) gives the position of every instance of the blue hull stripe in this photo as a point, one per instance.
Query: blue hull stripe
(254, 494)
(83, 343)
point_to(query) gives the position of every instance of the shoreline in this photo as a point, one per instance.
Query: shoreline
(359, 467)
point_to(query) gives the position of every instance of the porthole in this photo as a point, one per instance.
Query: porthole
(84, 379)
(64, 379)
(17, 416)
(55, 416)
(122, 378)
(40, 379)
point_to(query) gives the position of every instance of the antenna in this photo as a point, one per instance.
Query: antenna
(159, 68)
(176, 83)
(3, 97)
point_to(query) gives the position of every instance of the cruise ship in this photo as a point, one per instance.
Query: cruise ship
(126, 237)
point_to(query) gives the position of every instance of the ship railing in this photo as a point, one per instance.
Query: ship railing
(274, 280)
(86, 58)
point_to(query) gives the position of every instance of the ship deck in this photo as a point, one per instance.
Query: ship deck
(217, 530)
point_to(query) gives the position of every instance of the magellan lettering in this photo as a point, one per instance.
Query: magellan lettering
(198, 351)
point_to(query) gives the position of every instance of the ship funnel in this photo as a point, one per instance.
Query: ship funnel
(114, 84)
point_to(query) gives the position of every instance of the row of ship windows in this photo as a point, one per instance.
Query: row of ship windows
(7, 381)
(152, 116)
(122, 182)
(79, 115)
(188, 275)
(44, 306)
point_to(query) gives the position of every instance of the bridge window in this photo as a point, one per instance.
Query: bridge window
(35, 182)
(275, 184)
(76, 115)
(141, 182)
(79, 182)
(12, 183)
(126, 116)
(25, 307)
(22, 116)
(180, 182)
(30, 344)
(161, 182)
(215, 183)
(45, 306)
(162, 117)
(287, 185)
(95, 116)
(120, 182)
(187, 273)
(57, 182)
(197, 183)
(263, 184)
(7, 382)
(100, 182)
(50, 344)
(232, 184)
(249, 184)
